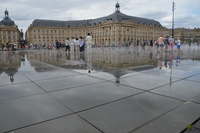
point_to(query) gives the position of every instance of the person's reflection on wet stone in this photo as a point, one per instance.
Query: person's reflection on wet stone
(159, 57)
(177, 59)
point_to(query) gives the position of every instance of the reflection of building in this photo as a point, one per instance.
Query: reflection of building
(121, 57)
(8, 30)
(9, 64)
(116, 28)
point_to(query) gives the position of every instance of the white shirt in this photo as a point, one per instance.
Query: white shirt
(80, 42)
(88, 39)
(73, 42)
(67, 42)
(171, 40)
(179, 42)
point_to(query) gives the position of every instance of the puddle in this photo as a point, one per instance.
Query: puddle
(114, 60)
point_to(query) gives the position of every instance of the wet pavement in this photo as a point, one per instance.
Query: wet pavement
(107, 90)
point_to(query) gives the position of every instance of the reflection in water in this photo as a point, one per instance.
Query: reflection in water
(9, 64)
(178, 59)
(89, 61)
(160, 60)
(170, 67)
(113, 59)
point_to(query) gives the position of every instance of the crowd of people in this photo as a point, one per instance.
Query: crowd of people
(78, 44)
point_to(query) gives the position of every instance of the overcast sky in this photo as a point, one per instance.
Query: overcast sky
(23, 12)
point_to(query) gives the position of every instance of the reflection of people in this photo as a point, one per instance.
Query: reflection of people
(88, 41)
(166, 60)
(159, 57)
(177, 58)
(58, 55)
(151, 55)
(170, 60)
(89, 63)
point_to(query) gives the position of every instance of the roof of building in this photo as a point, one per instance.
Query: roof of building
(7, 21)
(117, 16)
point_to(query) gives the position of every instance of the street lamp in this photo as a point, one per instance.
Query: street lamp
(173, 8)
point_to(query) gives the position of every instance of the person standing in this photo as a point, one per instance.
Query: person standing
(88, 41)
(77, 46)
(151, 43)
(171, 42)
(72, 44)
(166, 43)
(161, 43)
(67, 43)
(178, 45)
(57, 45)
(22, 45)
(81, 42)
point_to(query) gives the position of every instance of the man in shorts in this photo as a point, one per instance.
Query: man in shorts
(161, 43)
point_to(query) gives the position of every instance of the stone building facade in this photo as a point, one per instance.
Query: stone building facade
(9, 32)
(110, 30)
(187, 35)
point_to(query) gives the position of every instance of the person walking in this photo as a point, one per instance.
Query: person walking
(161, 43)
(171, 43)
(178, 45)
(67, 44)
(88, 41)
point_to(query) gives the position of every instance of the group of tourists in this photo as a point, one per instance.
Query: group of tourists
(76, 44)
(8, 47)
(167, 43)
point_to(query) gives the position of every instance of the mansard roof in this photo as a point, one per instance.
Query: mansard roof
(117, 16)
(7, 22)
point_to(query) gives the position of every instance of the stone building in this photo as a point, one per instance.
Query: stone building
(187, 35)
(9, 32)
(110, 30)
